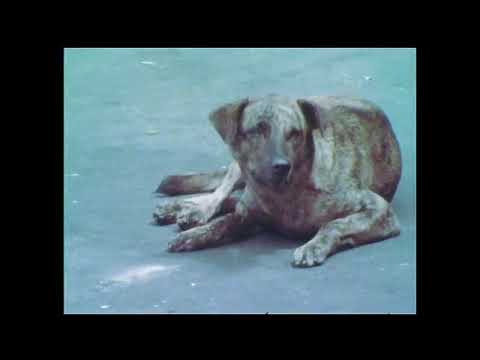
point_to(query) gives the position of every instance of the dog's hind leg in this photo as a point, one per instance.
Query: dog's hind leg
(190, 184)
(194, 183)
(171, 211)
(199, 210)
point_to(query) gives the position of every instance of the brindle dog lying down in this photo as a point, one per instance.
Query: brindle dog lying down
(322, 169)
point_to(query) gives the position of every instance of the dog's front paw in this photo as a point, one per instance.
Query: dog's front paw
(180, 243)
(189, 240)
(194, 214)
(165, 214)
(309, 255)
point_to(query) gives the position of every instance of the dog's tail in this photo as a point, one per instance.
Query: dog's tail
(190, 184)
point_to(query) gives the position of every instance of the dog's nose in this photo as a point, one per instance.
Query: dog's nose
(281, 167)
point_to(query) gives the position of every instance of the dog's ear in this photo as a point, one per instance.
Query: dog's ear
(226, 119)
(313, 114)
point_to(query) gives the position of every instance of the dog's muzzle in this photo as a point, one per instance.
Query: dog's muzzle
(280, 168)
(280, 171)
(273, 176)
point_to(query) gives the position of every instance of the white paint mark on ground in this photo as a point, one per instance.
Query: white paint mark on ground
(104, 306)
(146, 62)
(193, 284)
(74, 202)
(72, 175)
(144, 273)
(404, 264)
(367, 78)
(152, 132)
(156, 306)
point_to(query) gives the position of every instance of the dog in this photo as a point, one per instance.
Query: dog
(321, 169)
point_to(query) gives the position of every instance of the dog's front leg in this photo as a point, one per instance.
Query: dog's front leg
(219, 231)
(370, 218)
(198, 210)
(210, 204)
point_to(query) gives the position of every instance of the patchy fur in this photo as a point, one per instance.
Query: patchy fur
(321, 169)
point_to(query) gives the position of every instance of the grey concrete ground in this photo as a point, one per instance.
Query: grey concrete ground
(133, 116)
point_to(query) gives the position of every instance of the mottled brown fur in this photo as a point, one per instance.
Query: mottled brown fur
(321, 167)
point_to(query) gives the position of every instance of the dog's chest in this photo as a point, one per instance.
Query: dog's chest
(295, 213)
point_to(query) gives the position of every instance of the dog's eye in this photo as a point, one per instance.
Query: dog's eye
(294, 134)
(261, 128)
(252, 131)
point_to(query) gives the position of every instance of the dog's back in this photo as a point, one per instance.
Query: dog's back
(366, 149)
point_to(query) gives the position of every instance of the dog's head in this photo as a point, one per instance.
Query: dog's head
(269, 137)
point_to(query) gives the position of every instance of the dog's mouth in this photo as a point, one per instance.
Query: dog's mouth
(272, 182)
